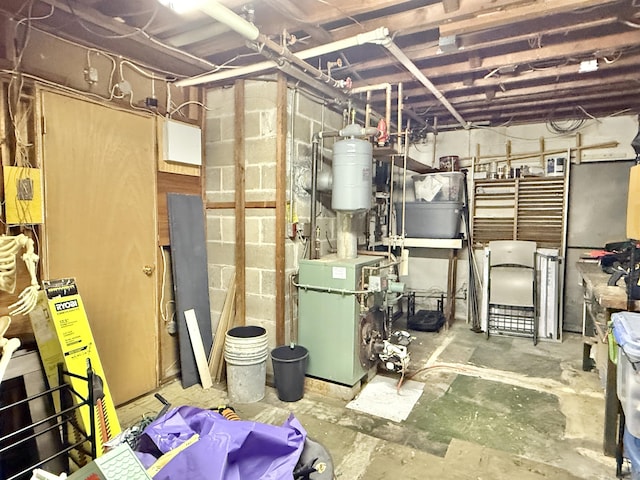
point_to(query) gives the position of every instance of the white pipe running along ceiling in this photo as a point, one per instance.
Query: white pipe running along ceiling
(249, 31)
(373, 36)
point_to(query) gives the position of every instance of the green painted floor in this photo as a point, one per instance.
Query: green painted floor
(491, 409)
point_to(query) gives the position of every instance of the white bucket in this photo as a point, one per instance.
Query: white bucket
(246, 350)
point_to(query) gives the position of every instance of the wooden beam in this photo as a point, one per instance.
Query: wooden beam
(239, 157)
(180, 60)
(228, 205)
(419, 19)
(298, 17)
(281, 200)
(7, 46)
(451, 5)
(522, 13)
(584, 46)
(479, 42)
(553, 75)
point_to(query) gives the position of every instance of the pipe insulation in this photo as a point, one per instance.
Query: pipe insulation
(373, 36)
(228, 17)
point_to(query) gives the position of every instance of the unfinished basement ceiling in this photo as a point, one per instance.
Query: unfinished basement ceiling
(496, 61)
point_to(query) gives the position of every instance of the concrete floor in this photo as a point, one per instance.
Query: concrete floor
(490, 410)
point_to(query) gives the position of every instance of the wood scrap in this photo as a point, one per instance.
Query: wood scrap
(216, 360)
(198, 348)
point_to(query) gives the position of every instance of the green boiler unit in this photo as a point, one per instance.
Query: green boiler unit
(329, 316)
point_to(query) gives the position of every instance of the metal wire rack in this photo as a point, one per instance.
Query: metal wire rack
(64, 423)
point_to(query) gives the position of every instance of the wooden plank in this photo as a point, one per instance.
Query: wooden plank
(190, 276)
(240, 249)
(216, 361)
(523, 13)
(229, 205)
(281, 199)
(450, 5)
(198, 348)
(172, 183)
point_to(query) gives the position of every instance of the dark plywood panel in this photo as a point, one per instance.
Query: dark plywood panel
(190, 279)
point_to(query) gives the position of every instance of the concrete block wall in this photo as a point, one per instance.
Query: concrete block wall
(311, 115)
(220, 186)
(305, 117)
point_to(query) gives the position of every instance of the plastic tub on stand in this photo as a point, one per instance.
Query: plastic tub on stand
(626, 331)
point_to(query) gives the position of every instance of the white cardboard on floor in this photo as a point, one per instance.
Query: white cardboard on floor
(380, 397)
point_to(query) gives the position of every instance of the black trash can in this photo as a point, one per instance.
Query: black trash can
(289, 368)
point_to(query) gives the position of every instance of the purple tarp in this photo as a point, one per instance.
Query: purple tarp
(226, 450)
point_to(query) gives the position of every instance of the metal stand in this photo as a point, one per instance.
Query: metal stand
(62, 421)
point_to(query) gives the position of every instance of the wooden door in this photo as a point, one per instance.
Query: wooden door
(100, 227)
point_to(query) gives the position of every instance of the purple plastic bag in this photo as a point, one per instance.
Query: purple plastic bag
(226, 450)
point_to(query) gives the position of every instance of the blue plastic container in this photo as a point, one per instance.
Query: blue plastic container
(626, 331)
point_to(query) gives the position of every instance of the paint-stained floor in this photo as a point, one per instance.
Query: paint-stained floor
(490, 409)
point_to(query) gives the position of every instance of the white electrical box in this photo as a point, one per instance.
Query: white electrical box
(182, 143)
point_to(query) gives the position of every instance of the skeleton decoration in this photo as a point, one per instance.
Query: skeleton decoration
(9, 249)
(8, 345)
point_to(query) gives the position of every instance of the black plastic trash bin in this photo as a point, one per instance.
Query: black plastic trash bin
(289, 368)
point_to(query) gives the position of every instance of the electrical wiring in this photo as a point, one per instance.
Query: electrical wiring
(137, 30)
(114, 66)
(163, 306)
(609, 61)
(43, 17)
(329, 4)
(142, 31)
(587, 113)
(190, 102)
(630, 24)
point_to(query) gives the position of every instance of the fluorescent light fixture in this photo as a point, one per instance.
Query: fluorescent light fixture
(587, 66)
(182, 6)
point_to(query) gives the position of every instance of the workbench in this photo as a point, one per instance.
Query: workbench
(600, 301)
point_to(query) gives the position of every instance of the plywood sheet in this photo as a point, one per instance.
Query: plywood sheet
(190, 277)
(100, 227)
(172, 183)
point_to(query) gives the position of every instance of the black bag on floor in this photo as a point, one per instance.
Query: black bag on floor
(426, 321)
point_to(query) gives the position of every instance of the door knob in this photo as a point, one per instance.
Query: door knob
(147, 269)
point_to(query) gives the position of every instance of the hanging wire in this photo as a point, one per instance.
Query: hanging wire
(137, 31)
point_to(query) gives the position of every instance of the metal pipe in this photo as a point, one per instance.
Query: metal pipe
(415, 71)
(292, 129)
(370, 88)
(314, 187)
(373, 36)
(228, 17)
(399, 139)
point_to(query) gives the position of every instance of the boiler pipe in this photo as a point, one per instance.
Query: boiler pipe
(313, 254)
(373, 36)
(371, 88)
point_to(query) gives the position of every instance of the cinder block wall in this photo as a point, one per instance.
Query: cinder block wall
(309, 116)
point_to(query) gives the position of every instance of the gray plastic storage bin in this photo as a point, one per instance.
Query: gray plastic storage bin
(439, 187)
(626, 331)
(430, 219)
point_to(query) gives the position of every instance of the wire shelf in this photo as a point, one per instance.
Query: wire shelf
(512, 320)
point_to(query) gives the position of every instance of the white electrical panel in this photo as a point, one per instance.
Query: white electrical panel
(182, 143)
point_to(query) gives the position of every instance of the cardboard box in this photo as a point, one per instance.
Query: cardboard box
(64, 336)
